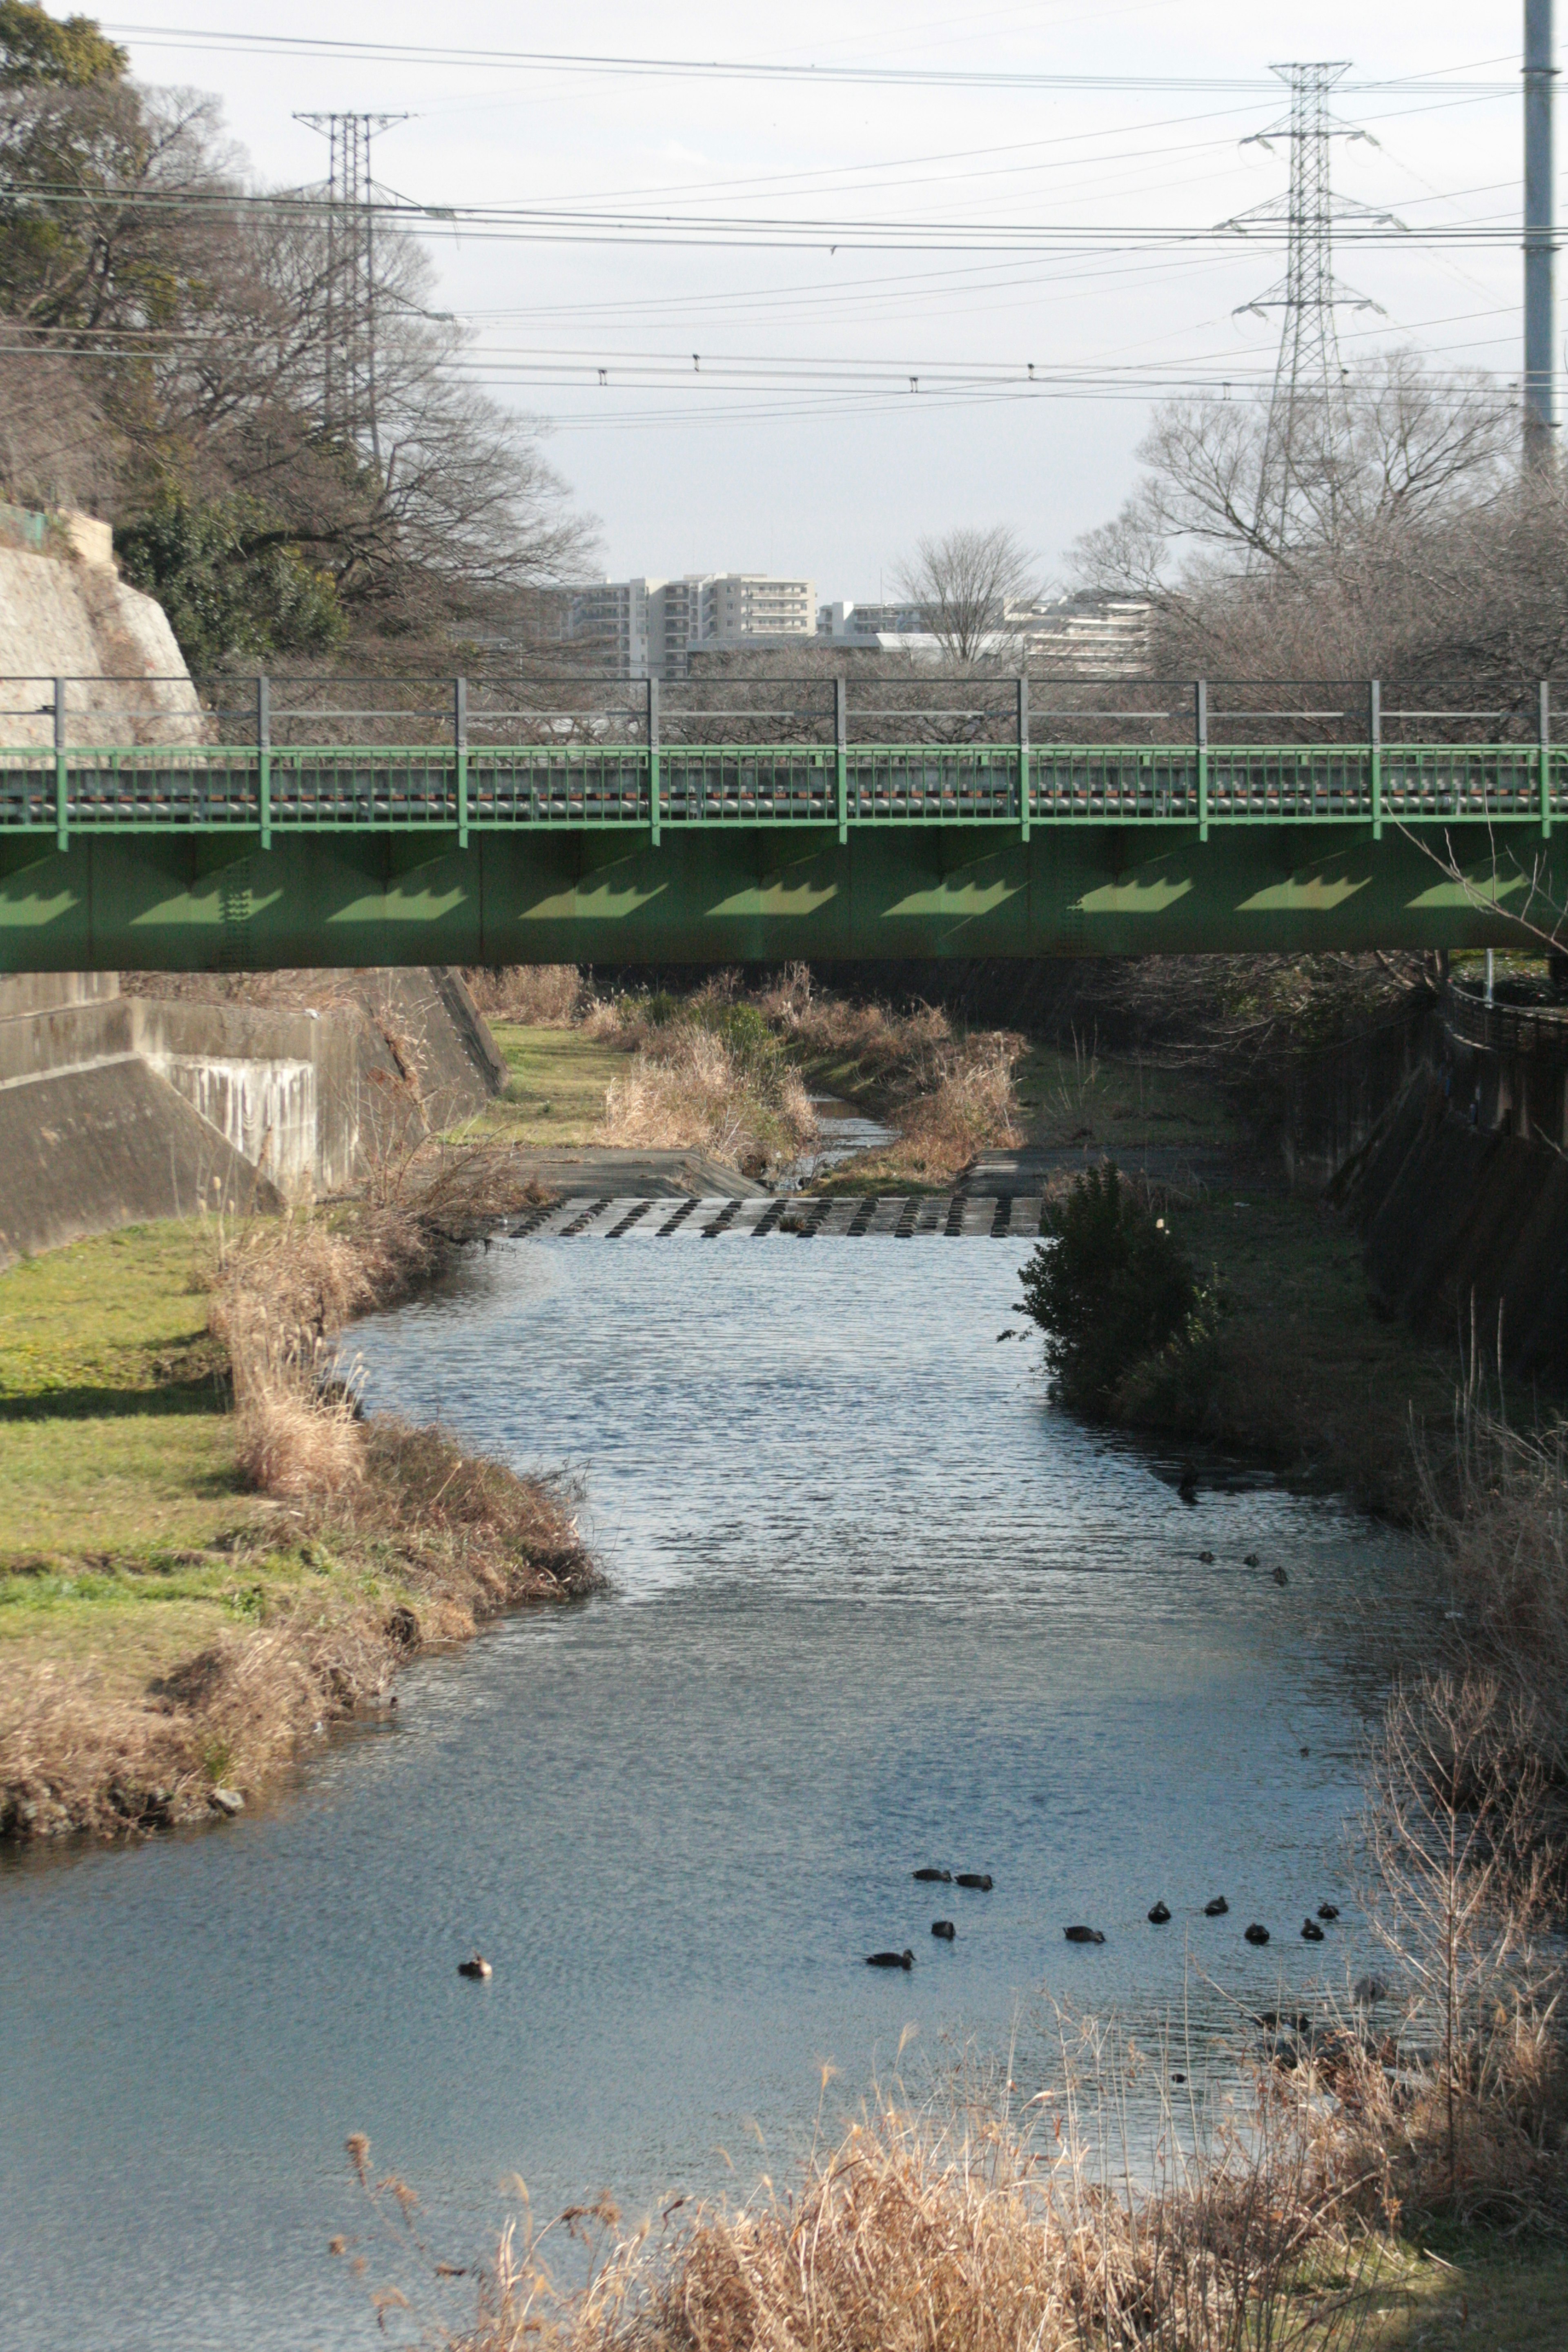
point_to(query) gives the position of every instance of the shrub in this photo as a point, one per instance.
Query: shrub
(1111, 1288)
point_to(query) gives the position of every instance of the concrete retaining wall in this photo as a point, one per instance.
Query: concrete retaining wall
(1461, 1223)
(288, 1099)
(86, 1150)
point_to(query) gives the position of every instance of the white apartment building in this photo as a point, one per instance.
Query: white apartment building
(645, 627)
(1086, 633)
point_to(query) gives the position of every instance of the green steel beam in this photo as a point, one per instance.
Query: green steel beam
(200, 901)
(181, 858)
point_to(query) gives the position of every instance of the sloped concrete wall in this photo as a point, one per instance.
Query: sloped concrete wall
(1460, 1224)
(41, 992)
(304, 1096)
(88, 1150)
(267, 1111)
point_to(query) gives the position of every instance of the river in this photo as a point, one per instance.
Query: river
(873, 1603)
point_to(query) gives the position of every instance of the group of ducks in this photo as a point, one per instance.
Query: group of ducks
(1312, 1932)
(979, 1882)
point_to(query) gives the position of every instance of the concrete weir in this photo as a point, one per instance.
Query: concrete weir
(788, 1216)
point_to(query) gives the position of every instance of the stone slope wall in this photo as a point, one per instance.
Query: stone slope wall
(66, 613)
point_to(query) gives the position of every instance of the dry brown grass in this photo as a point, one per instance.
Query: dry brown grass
(1498, 1513)
(947, 1092)
(1466, 2105)
(931, 2231)
(969, 1106)
(687, 1089)
(537, 995)
(293, 1443)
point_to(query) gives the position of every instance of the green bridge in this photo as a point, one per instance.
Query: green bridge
(605, 838)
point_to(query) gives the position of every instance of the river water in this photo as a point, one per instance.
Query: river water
(873, 1603)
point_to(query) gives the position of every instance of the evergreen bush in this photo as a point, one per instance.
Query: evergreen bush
(1112, 1288)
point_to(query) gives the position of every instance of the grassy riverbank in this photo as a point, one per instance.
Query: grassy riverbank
(1307, 1375)
(178, 1612)
(726, 1070)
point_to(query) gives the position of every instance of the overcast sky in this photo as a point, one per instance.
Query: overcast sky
(821, 460)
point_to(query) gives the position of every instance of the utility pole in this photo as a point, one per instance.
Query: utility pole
(348, 367)
(1539, 241)
(1297, 480)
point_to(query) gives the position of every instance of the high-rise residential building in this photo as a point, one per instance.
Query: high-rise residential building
(646, 627)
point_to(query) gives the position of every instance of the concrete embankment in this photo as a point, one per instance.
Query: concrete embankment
(1439, 1132)
(117, 1107)
(1466, 1230)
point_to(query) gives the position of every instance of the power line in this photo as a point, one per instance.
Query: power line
(570, 61)
(523, 223)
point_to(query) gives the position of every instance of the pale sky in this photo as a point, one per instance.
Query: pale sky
(821, 459)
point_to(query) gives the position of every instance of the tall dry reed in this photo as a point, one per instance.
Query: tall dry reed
(688, 1088)
(948, 1093)
(535, 995)
(936, 2230)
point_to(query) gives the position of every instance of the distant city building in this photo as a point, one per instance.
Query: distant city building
(648, 627)
(1081, 633)
(858, 623)
(652, 628)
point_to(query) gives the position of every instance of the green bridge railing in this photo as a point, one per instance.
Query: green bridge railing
(421, 787)
(841, 752)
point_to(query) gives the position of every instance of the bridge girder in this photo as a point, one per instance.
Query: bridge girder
(165, 901)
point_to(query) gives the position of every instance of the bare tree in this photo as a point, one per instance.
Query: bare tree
(149, 287)
(1401, 446)
(966, 583)
(56, 447)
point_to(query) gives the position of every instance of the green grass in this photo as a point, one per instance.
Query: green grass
(1119, 1104)
(556, 1093)
(115, 1324)
(1463, 2289)
(1314, 1379)
(118, 1487)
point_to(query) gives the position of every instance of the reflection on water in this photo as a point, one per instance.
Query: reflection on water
(874, 1605)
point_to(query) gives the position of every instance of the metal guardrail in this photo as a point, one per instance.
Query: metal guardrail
(575, 753)
(184, 788)
(1539, 1031)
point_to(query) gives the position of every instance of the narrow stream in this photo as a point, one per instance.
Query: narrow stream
(843, 1129)
(874, 1604)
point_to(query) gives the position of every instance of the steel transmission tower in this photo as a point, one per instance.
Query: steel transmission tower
(1299, 477)
(348, 364)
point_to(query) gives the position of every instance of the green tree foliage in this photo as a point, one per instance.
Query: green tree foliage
(262, 477)
(38, 48)
(230, 582)
(1111, 1288)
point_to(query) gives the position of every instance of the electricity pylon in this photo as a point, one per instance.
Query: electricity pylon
(348, 366)
(1299, 481)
